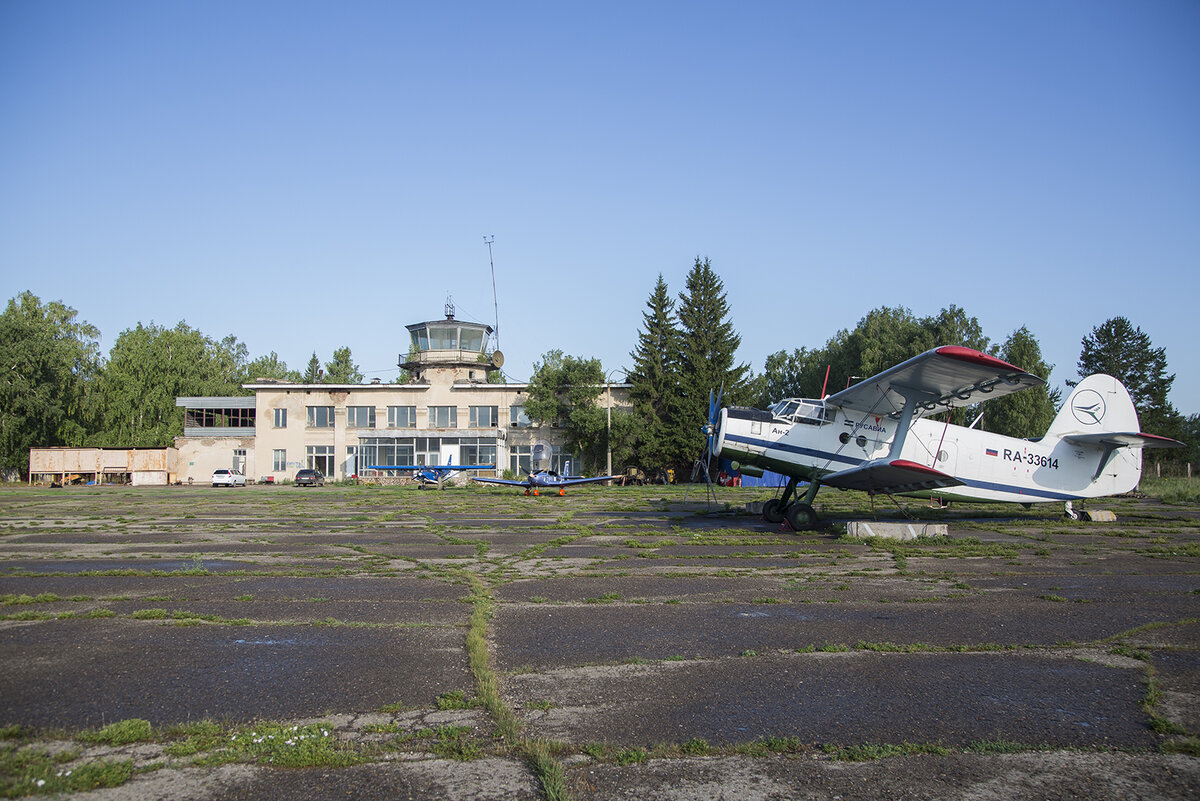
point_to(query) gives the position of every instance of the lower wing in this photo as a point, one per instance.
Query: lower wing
(888, 477)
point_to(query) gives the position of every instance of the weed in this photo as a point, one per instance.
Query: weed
(631, 756)
(455, 699)
(133, 730)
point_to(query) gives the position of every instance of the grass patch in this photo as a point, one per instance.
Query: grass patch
(133, 730)
(869, 752)
(33, 770)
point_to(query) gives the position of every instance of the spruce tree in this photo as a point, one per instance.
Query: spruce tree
(312, 375)
(708, 347)
(655, 389)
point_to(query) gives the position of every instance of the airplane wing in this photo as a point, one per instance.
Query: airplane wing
(947, 376)
(506, 481)
(572, 481)
(437, 468)
(1124, 439)
(890, 477)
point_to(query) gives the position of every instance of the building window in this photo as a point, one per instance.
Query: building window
(280, 417)
(477, 452)
(517, 417)
(320, 417)
(443, 417)
(360, 416)
(320, 457)
(382, 454)
(518, 459)
(484, 416)
(279, 460)
(402, 417)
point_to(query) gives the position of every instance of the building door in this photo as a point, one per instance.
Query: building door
(239, 460)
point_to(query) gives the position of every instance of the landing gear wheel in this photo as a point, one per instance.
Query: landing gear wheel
(773, 511)
(801, 516)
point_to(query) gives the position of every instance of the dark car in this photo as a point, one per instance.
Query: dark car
(312, 478)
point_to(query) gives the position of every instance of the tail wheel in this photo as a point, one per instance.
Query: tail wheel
(773, 511)
(801, 516)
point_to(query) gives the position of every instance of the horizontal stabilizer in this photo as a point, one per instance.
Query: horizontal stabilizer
(890, 477)
(1124, 439)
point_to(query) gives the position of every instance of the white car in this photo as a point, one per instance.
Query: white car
(230, 478)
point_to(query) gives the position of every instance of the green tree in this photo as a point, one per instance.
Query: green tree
(1124, 351)
(799, 374)
(313, 373)
(563, 392)
(48, 361)
(655, 392)
(1027, 413)
(708, 348)
(148, 368)
(342, 369)
(271, 367)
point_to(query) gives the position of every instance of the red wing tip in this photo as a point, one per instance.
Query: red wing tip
(975, 357)
(920, 468)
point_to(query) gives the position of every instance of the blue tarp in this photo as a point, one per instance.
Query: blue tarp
(768, 479)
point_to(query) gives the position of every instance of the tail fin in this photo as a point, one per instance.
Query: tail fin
(1100, 404)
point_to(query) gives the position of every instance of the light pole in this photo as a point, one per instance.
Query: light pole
(608, 434)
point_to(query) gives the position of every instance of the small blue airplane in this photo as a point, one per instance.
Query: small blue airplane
(433, 474)
(543, 479)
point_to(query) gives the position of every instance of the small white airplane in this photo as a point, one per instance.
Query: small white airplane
(873, 436)
(543, 479)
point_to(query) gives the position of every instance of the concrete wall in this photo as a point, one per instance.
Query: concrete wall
(200, 456)
(145, 466)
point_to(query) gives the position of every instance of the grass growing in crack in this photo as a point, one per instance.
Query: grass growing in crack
(133, 730)
(868, 752)
(286, 746)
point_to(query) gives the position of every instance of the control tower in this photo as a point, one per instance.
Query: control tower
(450, 351)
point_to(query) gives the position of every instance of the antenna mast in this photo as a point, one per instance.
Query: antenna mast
(495, 303)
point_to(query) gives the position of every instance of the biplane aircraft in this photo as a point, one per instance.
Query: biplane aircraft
(875, 436)
(543, 479)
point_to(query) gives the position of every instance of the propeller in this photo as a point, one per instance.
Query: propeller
(709, 429)
(714, 411)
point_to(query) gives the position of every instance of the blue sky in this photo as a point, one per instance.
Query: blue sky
(306, 175)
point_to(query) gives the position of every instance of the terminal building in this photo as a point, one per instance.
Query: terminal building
(446, 412)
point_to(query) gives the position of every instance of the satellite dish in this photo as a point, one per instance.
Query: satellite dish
(497, 358)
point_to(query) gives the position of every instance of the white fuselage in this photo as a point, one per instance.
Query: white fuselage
(991, 467)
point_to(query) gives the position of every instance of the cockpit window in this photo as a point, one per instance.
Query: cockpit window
(798, 410)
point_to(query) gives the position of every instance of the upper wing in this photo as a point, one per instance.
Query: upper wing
(506, 481)
(946, 377)
(888, 477)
